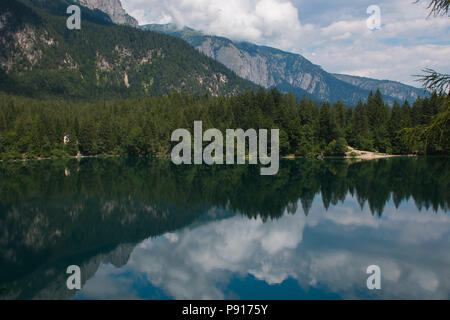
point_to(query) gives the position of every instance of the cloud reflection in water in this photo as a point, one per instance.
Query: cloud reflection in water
(325, 251)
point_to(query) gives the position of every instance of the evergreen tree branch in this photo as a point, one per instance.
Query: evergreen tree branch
(438, 7)
(435, 81)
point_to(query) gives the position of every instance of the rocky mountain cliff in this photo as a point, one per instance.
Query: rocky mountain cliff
(271, 67)
(113, 8)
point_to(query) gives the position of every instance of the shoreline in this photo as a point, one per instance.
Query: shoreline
(387, 156)
(355, 154)
(366, 155)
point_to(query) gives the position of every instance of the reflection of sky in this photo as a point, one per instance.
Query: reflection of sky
(322, 256)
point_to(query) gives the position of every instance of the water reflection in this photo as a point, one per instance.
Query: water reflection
(147, 229)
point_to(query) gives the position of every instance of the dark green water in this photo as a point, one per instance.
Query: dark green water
(146, 229)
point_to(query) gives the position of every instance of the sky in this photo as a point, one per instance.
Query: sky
(332, 34)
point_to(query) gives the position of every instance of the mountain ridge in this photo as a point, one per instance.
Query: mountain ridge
(271, 67)
(387, 87)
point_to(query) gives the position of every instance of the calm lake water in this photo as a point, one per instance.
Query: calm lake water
(146, 229)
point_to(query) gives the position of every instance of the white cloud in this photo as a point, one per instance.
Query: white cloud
(251, 20)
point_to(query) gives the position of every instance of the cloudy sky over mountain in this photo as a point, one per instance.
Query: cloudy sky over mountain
(333, 34)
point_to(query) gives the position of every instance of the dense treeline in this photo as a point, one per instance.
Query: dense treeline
(142, 127)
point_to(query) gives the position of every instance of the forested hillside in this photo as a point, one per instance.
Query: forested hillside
(41, 57)
(142, 127)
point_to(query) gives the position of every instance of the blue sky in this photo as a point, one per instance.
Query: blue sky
(333, 34)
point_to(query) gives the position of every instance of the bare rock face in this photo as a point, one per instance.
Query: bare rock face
(266, 66)
(113, 8)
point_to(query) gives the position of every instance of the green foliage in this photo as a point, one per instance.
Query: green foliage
(430, 138)
(337, 147)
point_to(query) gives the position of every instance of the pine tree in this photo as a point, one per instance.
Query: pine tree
(325, 127)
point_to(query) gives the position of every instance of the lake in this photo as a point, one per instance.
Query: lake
(147, 229)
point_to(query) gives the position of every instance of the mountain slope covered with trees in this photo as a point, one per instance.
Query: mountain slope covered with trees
(41, 57)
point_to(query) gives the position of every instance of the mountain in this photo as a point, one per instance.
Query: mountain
(271, 67)
(40, 57)
(393, 89)
(113, 8)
